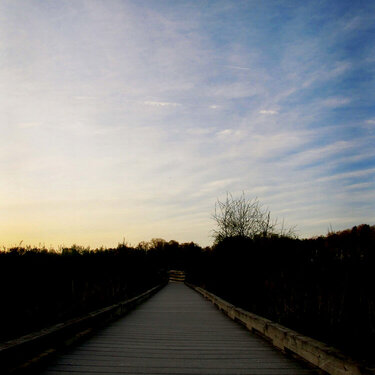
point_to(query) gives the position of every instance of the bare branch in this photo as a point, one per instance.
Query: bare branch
(242, 217)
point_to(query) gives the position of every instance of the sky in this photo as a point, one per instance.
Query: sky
(130, 119)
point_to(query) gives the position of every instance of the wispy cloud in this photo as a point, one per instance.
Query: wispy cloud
(165, 108)
(25, 125)
(230, 133)
(336, 102)
(268, 112)
(238, 67)
(353, 23)
(161, 104)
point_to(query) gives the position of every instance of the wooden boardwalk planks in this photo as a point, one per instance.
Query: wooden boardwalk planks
(175, 332)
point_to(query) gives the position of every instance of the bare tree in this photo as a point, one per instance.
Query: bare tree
(242, 217)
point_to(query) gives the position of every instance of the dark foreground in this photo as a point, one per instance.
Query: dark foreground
(176, 332)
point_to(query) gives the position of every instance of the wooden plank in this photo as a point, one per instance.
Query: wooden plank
(166, 362)
(176, 332)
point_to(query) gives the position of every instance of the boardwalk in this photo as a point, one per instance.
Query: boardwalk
(175, 332)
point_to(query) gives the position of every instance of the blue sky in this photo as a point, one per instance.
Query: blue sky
(131, 118)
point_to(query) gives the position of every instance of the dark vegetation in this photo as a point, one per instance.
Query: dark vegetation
(322, 287)
(40, 288)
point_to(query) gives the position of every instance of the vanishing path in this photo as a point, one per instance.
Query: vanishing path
(175, 332)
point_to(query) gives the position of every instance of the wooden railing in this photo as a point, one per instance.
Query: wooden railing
(329, 359)
(28, 352)
(176, 276)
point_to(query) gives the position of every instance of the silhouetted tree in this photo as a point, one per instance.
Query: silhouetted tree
(243, 217)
